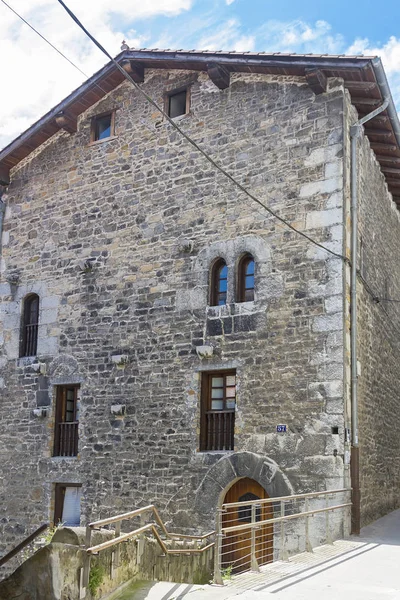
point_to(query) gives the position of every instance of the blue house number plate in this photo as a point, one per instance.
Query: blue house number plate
(281, 428)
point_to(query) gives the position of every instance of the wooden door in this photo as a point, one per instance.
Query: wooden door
(236, 547)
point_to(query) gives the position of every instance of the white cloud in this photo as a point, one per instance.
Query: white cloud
(389, 52)
(299, 36)
(390, 56)
(37, 77)
(226, 37)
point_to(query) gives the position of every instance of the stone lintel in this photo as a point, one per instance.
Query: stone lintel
(317, 80)
(4, 175)
(67, 122)
(219, 75)
(134, 69)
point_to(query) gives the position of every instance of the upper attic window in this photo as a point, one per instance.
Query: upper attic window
(177, 103)
(102, 127)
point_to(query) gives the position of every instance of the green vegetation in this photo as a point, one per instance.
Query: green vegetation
(227, 572)
(96, 576)
(50, 533)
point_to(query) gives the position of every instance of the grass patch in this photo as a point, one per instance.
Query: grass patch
(96, 576)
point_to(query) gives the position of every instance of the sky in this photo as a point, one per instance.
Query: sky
(34, 78)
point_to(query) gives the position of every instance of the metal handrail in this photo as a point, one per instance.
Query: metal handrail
(150, 527)
(23, 544)
(252, 526)
(280, 519)
(284, 498)
(150, 508)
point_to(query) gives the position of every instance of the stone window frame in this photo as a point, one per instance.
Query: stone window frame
(269, 282)
(59, 488)
(205, 407)
(93, 123)
(178, 90)
(29, 337)
(62, 446)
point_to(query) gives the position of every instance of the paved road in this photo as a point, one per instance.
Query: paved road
(361, 568)
(371, 572)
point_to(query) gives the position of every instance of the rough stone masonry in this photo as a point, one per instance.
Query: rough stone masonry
(117, 239)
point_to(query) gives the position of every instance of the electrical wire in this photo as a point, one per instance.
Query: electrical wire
(193, 143)
(44, 39)
(376, 298)
(51, 45)
(211, 160)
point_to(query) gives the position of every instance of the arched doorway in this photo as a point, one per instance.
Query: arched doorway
(236, 547)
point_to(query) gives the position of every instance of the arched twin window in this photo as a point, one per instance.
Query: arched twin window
(30, 323)
(219, 281)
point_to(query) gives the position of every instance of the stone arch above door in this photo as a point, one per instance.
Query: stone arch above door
(223, 474)
(64, 369)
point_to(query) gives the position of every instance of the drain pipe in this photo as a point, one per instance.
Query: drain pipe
(355, 132)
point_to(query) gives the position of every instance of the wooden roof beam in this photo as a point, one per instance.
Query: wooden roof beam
(393, 182)
(67, 122)
(388, 147)
(381, 133)
(4, 175)
(394, 160)
(364, 86)
(317, 80)
(219, 75)
(134, 69)
(391, 171)
(367, 101)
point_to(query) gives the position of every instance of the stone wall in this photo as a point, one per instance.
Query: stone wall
(378, 340)
(150, 214)
(55, 571)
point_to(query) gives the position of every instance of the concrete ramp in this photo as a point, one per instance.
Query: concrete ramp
(361, 568)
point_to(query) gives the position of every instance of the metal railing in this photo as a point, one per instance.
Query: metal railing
(66, 439)
(152, 527)
(220, 427)
(30, 337)
(23, 544)
(247, 536)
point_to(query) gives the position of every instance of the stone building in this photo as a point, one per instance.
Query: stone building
(157, 325)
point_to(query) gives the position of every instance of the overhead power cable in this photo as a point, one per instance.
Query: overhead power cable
(193, 143)
(50, 44)
(376, 298)
(44, 39)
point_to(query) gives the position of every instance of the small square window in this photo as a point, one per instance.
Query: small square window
(102, 127)
(178, 103)
(67, 509)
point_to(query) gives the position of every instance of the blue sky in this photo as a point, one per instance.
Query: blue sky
(310, 26)
(347, 20)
